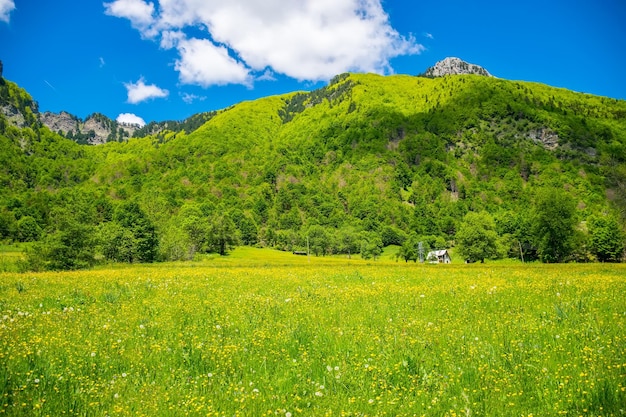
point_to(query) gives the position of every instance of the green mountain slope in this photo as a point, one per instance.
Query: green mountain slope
(364, 162)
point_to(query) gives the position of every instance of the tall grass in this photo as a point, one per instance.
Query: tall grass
(265, 333)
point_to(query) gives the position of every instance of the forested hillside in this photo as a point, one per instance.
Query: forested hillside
(493, 167)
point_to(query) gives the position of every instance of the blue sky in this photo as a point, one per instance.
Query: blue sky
(169, 59)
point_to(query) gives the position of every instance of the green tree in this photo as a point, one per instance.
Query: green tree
(347, 240)
(371, 245)
(607, 238)
(28, 230)
(409, 249)
(554, 223)
(116, 242)
(318, 240)
(145, 241)
(223, 235)
(175, 244)
(477, 238)
(70, 246)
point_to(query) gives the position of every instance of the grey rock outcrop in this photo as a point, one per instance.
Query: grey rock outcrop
(63, 122)
(545, 137)
(13, 115)
(94, 130)
(454, 66)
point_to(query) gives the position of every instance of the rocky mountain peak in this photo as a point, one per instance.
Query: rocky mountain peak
(455, 66)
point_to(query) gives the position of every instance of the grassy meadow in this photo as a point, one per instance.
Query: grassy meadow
(262, 332)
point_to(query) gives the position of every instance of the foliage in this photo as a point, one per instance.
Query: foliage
(477, 237)
(70, 246)
(606, 238)
(366, 155)
(554, 223)
(137, 232)
(223, 235)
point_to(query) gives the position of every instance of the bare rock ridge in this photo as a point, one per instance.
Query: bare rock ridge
(94, 130)
(454, 66)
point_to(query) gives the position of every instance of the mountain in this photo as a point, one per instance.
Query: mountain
(96, 129)
(381, 158)
(454, 66)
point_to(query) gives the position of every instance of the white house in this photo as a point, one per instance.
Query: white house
(439, 257)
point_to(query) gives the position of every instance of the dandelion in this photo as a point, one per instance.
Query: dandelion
(287, 414)
(93, 354)
(123, 374)
(36, 381)
(210, 375)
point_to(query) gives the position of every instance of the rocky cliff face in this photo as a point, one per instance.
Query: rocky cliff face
(94, 130)
(455, 66)
(63, 122)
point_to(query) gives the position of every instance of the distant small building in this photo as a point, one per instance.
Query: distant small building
(439, 257)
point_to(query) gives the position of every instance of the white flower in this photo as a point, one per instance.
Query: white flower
(287, 414)
(336, 368)
(123, 374)
(210, 375)
(36, 381)
(93, 354)
(318, 394)
(370, 401)
(141, 326)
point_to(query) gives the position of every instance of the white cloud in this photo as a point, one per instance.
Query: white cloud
(140, 91)
(102, 63)
(190, 98)
(429, 35)
(130, 119)
(6, 7)
(308, 40)
(203, 63)
(268, 75)
(138, 12)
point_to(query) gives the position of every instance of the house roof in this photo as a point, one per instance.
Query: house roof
(438, 252)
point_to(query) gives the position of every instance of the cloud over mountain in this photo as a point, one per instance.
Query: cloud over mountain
(235, 41)
(130, 119)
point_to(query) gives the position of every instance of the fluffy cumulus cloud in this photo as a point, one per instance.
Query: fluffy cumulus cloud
(130, 119)
(6, 7)
(140, 91)
(138, 12)
(240, 40)
(203, 63)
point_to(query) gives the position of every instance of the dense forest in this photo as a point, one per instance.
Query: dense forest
(492, 167)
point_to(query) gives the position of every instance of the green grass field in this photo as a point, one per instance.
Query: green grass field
(262, 332)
